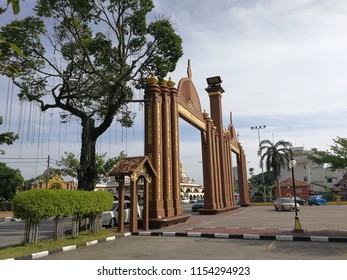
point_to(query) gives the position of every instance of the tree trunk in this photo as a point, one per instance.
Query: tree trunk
(87, 170)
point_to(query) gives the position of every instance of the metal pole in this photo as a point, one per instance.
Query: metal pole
(262, 167)
(297, 226)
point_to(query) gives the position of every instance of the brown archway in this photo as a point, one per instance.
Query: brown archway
(168, 104)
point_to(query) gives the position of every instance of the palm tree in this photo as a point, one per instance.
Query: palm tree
(275, 156)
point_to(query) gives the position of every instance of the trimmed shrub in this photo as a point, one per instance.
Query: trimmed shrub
(36, 205)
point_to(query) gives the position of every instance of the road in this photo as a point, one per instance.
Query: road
(177, 248)
(190, 248)
(13, 232)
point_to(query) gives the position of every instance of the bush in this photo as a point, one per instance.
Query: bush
(33, 206)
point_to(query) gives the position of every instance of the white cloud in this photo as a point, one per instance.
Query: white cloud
(283, 64)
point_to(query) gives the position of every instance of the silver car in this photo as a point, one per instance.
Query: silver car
(285, 203)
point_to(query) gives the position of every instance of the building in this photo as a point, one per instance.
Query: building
(316, 175)
(190, 189)
(56, 182)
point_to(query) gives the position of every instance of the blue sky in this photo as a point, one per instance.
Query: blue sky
(283, 65)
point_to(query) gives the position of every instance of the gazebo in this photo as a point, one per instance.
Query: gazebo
(136, 168)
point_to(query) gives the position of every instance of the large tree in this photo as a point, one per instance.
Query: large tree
(69, 165)
(275, 156)
(7, 137)
(86, 57)
(335, 157)
(11, 181)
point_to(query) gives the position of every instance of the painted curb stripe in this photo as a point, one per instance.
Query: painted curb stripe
(39, 255)
(284, 237)
(194, 234)
(90, 243)
(251, 236)
(320, 238)
(221, 235)
(69, 248)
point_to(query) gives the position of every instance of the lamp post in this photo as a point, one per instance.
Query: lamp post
(292, 163)
(262, 168)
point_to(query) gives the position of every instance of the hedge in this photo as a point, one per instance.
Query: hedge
(33, 206)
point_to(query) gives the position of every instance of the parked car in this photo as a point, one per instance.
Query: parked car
(285, 203)
(199, 204)
(185, 200)
(317, 200)
(300, 200)
(110, 218)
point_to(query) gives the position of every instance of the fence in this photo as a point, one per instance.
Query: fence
(5, 206)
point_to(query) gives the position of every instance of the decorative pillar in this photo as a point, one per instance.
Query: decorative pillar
(215, 91)
(208, 164)
(133, 205)
(175, 154)
(242, 174)
(217, 169)
(120, 181)
(167, 150)
(145, 210)
(229, 168)
(153, 146)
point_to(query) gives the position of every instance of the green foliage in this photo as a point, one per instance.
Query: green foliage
(36, 205)
(40, 204)
(9, 69)
(336, 157)
(70, 165)
(33, 206)
(97, 73)
(275, 155)
(7, 137)
(15, 7)
(269, 178)
(10, 181)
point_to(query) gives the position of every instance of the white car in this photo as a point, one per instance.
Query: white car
(110, 218)
(285, 203)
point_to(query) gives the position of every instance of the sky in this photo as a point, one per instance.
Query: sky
(283, 65)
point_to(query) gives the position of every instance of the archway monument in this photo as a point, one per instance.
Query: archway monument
(162, 112)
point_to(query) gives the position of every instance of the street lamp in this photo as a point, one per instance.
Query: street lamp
(261, 165)
(292, 164)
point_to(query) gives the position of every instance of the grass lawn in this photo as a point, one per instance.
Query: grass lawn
(15, 251)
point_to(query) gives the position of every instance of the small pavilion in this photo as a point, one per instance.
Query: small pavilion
(138, 169)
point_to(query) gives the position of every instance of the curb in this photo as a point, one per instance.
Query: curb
(67, 248)
(248, 236)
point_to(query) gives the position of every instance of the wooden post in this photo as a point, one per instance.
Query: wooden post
(121, 205)
(133, 206)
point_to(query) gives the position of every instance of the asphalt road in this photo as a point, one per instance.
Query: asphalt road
(178, 248)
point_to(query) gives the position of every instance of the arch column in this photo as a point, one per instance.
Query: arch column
(175, 151)
(242, 174)
(153, 146)
(215, 93)
(167, 150)
(208, 165)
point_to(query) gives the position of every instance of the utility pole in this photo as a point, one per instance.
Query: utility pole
(47, 171)
(261, 163)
